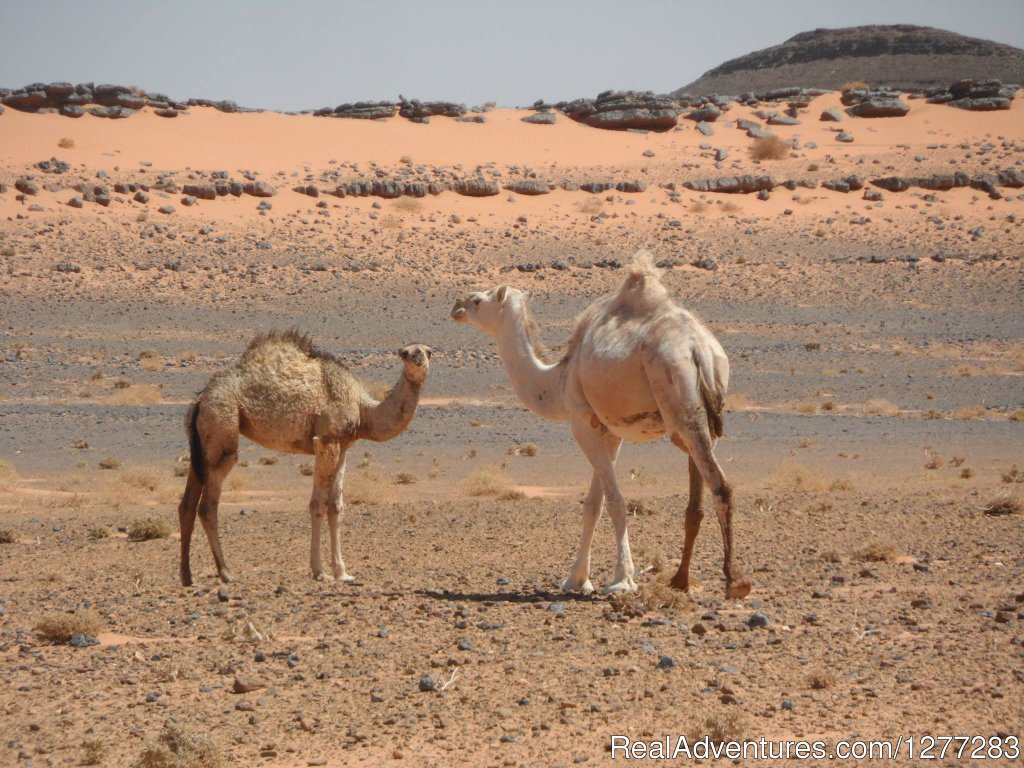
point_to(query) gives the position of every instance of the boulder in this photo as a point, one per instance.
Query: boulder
(529, 187)
(27, 99)
(782, 120)
(706, 114)
(540, 118)
(364, 110)
(72, 110)
(165, 112)
(410, 108)
(259, 189)
(76, 202)
(732, 184)
(631, 187)
(597, 187)
(832, 114)
(893, 183)
(26, 187)
(476, 187)
(114, 113)
(944, 181)
(201, 191)
(625, 110)
(879, 108)
(141, 197)
(307, 189)
(706, 129)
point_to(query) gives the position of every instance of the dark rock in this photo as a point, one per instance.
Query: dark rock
(624, 110)
(709, 113)
(879, 108)
(981, 105)
(141, 197)
(166, 209)
(307, 189)
(832, 114)
(759, 620)
(944, 181)
(732, 184)
(597, 187)
(414, 108)
(893, 183)
(631, 187)
(706, 128)
(540, 118)
(428, 684)
(82, 641)
(76, 201)
(782, 120)
(364, 110)
(188, 200)
(666, 662)
(53, 165)
(705, 262)
(72, 110)
(26, 186)
(844, 137)
(236, 188)
(245, 684)
(529, 187)
(259, 189)
(57, 91)
(165, 112)
(475, 187)
(201, 191)
(872, 195)
(113, 113)
(471, 119)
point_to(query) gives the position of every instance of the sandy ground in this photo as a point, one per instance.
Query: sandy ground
(875, 416)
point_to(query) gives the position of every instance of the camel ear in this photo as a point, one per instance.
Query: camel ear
(500, 295)
(403, 353)
(527, 295)
(430, 352)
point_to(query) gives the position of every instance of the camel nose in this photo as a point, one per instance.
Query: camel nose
(459, 310)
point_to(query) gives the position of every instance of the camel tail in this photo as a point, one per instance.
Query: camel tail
(714, 402)
(195, 443)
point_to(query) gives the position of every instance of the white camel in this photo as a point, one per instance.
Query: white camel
(637, 367)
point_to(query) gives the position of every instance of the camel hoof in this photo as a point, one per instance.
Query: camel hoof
(347, 578)
(575, 585)
(737, 590)
(682, 584)
(186, 579)
(625, 585)
(320, 576)
(226, 577)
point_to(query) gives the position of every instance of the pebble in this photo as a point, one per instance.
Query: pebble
(758, 620)
(428, 684)
(245, 684)
(666, 662)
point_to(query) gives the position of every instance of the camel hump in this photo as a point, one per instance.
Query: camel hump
(642, 265)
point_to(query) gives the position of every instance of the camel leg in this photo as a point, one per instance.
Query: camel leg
(335, 508)
(694, 515)
(186, 523)
(579, 576)
(595, 448)
(324, 464)
(208, 509)
(675, 385)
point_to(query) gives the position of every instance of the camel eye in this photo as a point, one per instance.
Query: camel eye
(476, 301)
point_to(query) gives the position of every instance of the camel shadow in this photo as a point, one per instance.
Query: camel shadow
(535, 596)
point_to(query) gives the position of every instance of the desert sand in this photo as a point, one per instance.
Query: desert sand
(873, 434)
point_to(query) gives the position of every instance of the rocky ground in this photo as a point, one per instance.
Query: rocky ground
(873, 435)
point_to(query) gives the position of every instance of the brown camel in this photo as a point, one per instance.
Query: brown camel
(637, 367)
(286, 395)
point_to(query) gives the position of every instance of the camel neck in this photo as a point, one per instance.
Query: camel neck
(388, 418)
(537, 384)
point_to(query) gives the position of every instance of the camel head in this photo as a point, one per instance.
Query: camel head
(417, 362)
(488, 310)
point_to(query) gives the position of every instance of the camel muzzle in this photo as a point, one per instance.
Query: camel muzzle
(459, 311)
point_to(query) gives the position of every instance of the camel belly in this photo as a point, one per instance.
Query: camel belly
(618, 392)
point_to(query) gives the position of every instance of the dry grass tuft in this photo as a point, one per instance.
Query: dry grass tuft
(364, 488)
(853, 85)
(134, 394)
(880, 407)
(179, 748)
(405, 159)
(1013, 475)
(526, 449)
(876, 552)
(729, 206)
(769, 147)
(408, 205)
(109, 463)
(8, 475)
(935, 461)
(306, 469)
(820, 679)
(60, 627)
(147, 528)
(405, 478)
(970, 412)
(793, 476)
(269, 460)
(807, 407)
(94, 752)
(592, 206)
(9, 536)
(720, 726)
(652, 595)
(1017, 415)
(698, 207)
(141, 478)
(488, 480)
(66, 143)
(98, 532)
(1005, 505)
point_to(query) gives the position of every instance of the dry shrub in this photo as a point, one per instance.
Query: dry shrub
(66, 143)
(180, 748)
(98, 532)
(853, 85)
(812, 167)
(60, 627)
(957, 461)
(729, 206)
(828, 405)
(268, 461)
(970, 412)
(364, 488)
(1005, 505)
(147, 528)
(405, 159)
(408, 205)
(876, 552)
(306, 469)
(807, 407)
(769, 147)
(656, 560)
(526, 449)
(391, 222)
(880, 407)
(237, 481)
(820, 679)
(650, 595)
(592, 206)
(9, 536)
(935, 461)
(405, 478)
(141, 478)
(134, 394)
(1017, 415)
(738, 402)
(109, 463)
(719, 726)
(831, 556)
(698, 207)
(94, 752)
(488, 480)
(966, 473)
(1013, 475)
(8, 475)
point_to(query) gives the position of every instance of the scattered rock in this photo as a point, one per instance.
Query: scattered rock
(832, 114)
(259, 189)
(475, 187)
(245, 684)
(540, 118)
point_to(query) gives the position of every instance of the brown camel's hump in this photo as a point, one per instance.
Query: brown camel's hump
(303, 342)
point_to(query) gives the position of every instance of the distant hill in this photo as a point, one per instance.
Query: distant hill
(901, 56)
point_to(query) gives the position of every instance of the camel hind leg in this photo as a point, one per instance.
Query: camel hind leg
(676, 387)
(186, 523)
(217, 428)
(694, 516)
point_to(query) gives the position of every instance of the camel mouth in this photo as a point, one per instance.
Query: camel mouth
(459, 314)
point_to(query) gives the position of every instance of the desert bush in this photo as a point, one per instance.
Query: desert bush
(134, 394)
(488, 480)
(719, 726)
(61, 627)
(364, 488)
(408, 205)
(966, 473)
(592, 205)
(821, 679)
(66, 143)
(526, 449)
(807, 407)
(729, 206)
(98, 532)
(147, 528)
(306, 469)
(1005, 505)
(109, 463)
(698, 207)
(1013, 475)
(935, 461)
(968, 412)
(812, 167)
(268, 460)
(769, 147)
(1017, 415)
(177, 747)
(405, 478)
(650, 595)
(94, 752)
(141, 478)
(880, 407)
(8, 475)
(9, 536)
(405, 159)
(876, 552)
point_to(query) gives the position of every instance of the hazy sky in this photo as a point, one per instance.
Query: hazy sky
(304, 54)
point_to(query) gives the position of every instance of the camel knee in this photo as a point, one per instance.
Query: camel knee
(722, 492)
